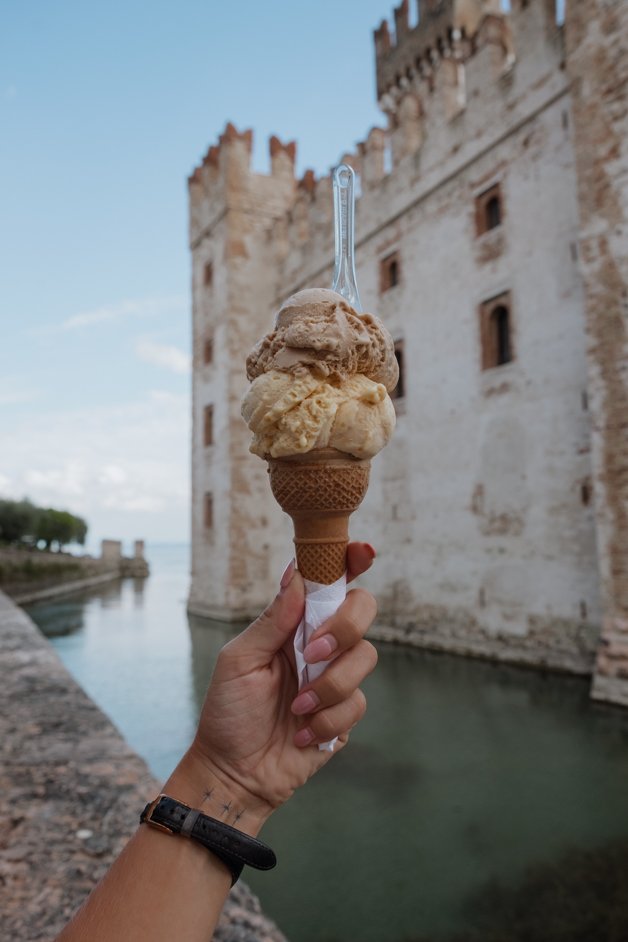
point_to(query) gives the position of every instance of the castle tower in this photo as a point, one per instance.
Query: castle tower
(490, 238)
(232, 294)
(597, 38)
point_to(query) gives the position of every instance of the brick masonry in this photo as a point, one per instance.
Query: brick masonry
(597, 39)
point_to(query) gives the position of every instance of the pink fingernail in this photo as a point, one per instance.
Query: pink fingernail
(305, 703)
(286, 579)
(320, 649)
(304, 737)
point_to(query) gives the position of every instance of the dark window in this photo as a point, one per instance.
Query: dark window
(585, 493)
(400, 389)
(488, 210)
(500, 318)
(389, 272)
(208, 351)
(208, 425)
(493, 213)
(208, 274)
(496, 332)
(208, 511)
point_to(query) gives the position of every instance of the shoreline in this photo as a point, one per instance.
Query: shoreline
(68, 774)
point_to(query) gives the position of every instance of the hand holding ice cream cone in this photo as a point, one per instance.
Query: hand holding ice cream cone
(319, 410)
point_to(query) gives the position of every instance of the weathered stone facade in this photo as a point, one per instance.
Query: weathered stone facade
(507, 457)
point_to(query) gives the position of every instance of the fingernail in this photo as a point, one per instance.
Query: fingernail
(369, 549)
(286, 579)
(320, 649)
(304, 737)
(305, 702)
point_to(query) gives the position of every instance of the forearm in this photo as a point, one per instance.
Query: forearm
(166, 886)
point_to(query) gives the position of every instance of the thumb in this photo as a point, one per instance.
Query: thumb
(270, 631)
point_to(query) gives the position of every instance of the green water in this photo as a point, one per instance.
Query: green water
(475, 801)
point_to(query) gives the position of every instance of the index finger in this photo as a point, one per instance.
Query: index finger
(360, 557)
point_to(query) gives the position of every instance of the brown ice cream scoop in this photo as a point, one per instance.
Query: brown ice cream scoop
(318, 330)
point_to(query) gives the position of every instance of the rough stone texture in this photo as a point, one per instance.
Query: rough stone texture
(597, 39)
(479, 507)
(70, 793)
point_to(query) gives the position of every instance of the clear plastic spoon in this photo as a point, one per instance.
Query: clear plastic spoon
(344, 214)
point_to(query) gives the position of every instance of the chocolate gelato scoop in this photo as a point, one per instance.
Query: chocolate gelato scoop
(317, 331)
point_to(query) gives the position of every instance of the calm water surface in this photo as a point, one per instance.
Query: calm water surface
(473, 799)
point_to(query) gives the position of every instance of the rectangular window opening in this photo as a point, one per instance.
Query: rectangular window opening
(208, 425)
(389, 272)
(208, 274)
(208, 511)
(488, 210)
(208, 351)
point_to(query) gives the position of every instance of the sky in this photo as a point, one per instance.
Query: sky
(105, 109)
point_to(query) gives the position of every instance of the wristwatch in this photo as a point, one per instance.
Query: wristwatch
(233, 847)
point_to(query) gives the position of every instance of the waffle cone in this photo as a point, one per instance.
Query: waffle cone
(319, 491)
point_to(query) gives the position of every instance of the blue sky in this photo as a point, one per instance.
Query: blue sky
(105, 109)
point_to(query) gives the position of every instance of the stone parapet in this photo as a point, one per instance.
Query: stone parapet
(70, 794)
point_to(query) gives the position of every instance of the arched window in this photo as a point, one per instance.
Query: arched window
(496, 331)
(488, 210)
(500, 319)
(399, 391)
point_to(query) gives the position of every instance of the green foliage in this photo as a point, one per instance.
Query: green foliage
(22, 522)
(17, 520)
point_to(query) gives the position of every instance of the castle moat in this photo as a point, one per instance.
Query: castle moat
(476, 802)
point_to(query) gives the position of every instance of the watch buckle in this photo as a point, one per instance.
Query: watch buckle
(148, 819)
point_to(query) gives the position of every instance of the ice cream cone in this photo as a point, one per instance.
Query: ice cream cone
(320, 490)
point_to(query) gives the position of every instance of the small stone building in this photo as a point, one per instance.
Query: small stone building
(491, 237)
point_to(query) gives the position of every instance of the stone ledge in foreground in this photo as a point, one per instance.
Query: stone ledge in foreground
(70, 793)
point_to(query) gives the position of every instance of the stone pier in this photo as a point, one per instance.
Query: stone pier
(71, 790)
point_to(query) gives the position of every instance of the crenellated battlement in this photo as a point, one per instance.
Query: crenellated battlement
(446, 29)
(224, 179)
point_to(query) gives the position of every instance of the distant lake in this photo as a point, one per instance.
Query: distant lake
(475, 802)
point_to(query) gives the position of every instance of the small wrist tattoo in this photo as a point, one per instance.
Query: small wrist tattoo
(222, 807)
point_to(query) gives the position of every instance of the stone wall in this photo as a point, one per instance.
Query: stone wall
(481, 507)
(597, 39)
(71, 791)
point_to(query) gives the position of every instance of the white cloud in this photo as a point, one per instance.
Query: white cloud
(124, 468)
(14, 397)
(176, 305)
(166, 355)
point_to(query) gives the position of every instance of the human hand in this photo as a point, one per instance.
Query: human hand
(256, 738)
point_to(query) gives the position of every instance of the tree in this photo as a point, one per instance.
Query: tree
(17, 520)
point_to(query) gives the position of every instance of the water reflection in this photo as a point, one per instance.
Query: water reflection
(476, 803)
(207, 638)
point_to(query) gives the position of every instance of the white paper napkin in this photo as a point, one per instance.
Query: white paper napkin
(321, 601)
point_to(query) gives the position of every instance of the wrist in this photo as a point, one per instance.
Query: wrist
(201, 784)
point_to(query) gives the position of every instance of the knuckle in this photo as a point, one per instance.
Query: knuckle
(332, 687)
(323, 727)
(370, 655)
(360, 705)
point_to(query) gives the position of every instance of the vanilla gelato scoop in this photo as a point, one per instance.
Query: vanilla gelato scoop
(320, 379)
(318, 330)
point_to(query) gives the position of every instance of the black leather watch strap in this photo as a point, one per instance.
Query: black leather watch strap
(233, 847)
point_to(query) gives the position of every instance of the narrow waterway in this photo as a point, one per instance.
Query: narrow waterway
(476, 802)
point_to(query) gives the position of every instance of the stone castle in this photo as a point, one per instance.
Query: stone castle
(492, 239)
